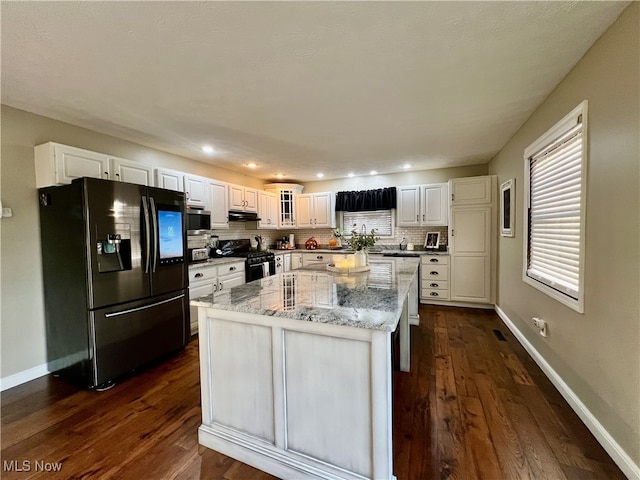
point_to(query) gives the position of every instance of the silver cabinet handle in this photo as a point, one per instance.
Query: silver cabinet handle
(434, 260)
(231, 269)
(198, 275)
(434, 273)
(434, 294)
(424, 217)
(221, 286)
(434, 285)
(319, 257)
(417, 218)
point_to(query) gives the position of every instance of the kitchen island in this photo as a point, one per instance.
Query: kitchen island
(296, 369)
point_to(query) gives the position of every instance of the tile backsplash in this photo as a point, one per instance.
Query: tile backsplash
(415, 235)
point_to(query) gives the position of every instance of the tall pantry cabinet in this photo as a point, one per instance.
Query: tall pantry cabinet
(473, 239)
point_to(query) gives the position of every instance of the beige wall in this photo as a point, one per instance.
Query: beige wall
(596, 353)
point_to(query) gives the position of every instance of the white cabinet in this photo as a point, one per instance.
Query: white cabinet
(422, 205)
(472, 190)
(57, 164)
(218, 204)
(315, 210)
(286, 193)
(131, 172)
(196, 190)
(170, 179)
(242, 198)
(472, 239)
(207, 279)
(434, 278)
(267, 209)
(296, 260)
(315, 259)
(315, 289)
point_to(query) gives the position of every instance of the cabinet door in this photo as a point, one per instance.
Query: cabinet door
(251, 199)
(74, 163)
(408, 207)
(470, 243)
(304, 213)
(287, 262)
(236, 197)
(435, 204)
(170, 179)
(324, 210)
(196, 190)
(226, 282)
(131, 172)
(470, 190)
(267, 209)
(296, 261)
(219, 204)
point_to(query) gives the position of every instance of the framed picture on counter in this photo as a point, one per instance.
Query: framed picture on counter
(507, 208)
(432, 240)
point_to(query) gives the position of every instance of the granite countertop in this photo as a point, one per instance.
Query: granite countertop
(372, 300)
(376, 251)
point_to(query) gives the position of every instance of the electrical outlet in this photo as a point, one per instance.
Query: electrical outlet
(7, 212)
(542, 326)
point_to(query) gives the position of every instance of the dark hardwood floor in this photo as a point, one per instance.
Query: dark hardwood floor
(472, 406)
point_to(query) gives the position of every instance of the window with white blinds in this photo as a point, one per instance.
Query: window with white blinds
(381, 220)
(555, 174)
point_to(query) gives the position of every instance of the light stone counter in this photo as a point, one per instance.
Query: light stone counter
(372, 299)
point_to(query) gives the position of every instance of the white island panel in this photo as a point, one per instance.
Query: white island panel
(326, 420)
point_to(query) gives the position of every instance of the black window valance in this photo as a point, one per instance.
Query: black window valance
(366, 200)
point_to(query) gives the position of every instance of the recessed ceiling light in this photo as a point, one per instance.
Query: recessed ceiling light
(373, 172)
(251, 165)
(350, 175)
(279, 175)
(208, 149)
(406, 165)
(320, 175)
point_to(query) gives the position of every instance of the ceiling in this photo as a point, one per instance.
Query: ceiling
(298, 87)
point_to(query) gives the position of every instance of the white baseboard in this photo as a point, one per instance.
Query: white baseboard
(617, 453)
(23, 377)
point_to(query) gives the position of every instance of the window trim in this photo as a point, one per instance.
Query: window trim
(549, 137)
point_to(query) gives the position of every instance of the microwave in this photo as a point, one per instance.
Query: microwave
(198, 221)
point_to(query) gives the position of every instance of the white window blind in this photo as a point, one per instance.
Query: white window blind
(381, 220)
(554, 255)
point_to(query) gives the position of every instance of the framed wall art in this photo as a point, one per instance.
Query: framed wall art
(432, 240)
(507, 208)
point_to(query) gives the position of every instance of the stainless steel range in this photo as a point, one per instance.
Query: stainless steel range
(257, 264)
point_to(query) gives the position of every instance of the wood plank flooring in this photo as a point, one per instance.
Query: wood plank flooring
(472, 406)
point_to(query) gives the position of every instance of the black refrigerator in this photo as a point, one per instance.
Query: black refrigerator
(115, 277)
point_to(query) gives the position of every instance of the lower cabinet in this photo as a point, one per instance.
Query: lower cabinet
(434, 277)
(296, 261)
(315, 259)
(206, 279)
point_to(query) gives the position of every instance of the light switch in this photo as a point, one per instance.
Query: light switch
(7, 212)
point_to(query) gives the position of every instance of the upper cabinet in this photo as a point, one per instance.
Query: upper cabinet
(267, 209)
(170, 179)
(244, 199)
(422, 205)
(218, 204)
(315, 210)
(285, 193)
(131, 172)
(59, 164)
(197, 190)
(471, 190)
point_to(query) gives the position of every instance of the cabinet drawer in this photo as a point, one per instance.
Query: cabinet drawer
(435, 272)
(434, 260)
(230, 268)
(435, 284)
(314, 259)
(202, 274)
(433, 294)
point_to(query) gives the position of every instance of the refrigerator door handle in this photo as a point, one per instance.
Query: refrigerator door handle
(156, 235)
(125, 312)
(147, 233)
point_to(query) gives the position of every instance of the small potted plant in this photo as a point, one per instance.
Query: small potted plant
(360, 242)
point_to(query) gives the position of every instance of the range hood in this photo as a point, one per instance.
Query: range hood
(235, 216)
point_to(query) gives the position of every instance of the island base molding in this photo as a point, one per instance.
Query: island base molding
(267, 457)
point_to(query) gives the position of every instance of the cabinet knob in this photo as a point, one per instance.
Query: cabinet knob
(433, 273)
